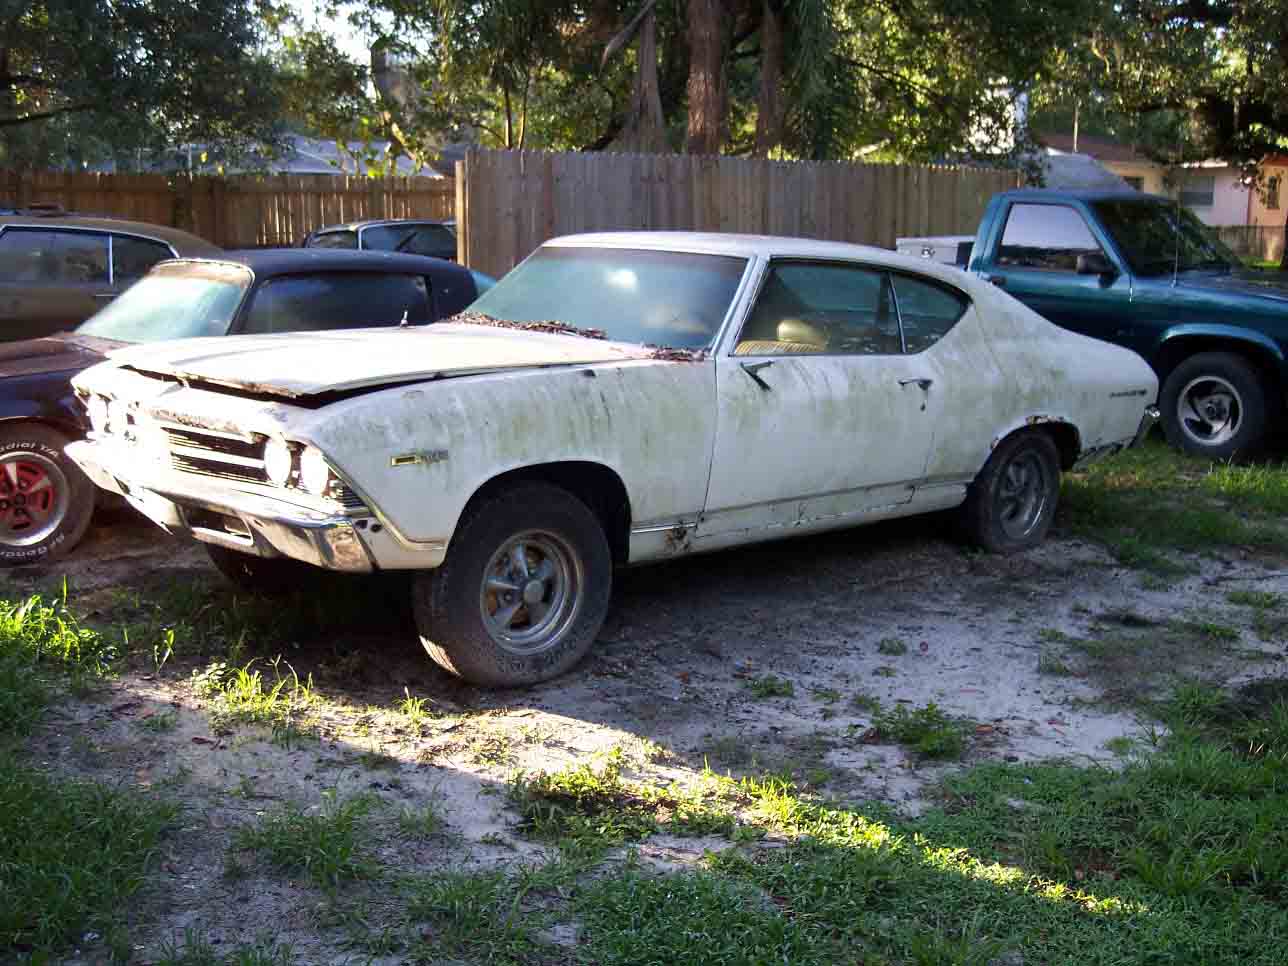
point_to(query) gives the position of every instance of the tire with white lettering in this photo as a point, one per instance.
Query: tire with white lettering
(267, 576)
(524, 589)
(46, 502)
(1011, 503)
(1214, 405)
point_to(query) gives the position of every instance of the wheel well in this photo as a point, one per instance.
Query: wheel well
(1176, 351)
(13, 422)
(594, 484)
(1068, 442)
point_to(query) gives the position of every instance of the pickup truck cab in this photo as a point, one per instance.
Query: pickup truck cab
(1143, 272)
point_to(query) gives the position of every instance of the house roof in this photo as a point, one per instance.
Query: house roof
(1100, 148)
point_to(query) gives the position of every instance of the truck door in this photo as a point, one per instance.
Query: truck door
(1035, 258)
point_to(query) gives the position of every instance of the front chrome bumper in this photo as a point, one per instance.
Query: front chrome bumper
(218, 514)
(1147, 422)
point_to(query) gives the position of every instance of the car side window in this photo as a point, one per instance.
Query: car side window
(1045, 237)
(132, 257)
(926, 311)
(337, 300)
(812, 308)
(334, 239)
(38, 255)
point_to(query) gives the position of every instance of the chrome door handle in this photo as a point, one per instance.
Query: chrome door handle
(105, 295)
(922, 384)
(753, 368)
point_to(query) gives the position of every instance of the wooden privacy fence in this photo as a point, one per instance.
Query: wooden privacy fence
(508, 202)
(241, 211)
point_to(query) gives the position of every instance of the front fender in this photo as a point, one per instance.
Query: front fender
(47, 399)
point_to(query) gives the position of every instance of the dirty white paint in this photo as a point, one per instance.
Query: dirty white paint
(708, 457)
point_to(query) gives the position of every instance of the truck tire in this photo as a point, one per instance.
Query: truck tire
(523, 591)
(1214, 405)
(266, 576)
(46, 502)
(1011, 503)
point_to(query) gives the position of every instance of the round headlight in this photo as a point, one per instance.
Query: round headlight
(314, 472)
(97, 406)
(278, 462)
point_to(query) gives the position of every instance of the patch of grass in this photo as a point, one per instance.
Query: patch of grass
(160, 722)
(891, 646)
(771, 686)
(326, 844)
(864, 702)
(73, 855)
(197, 950)
(243, 695)
(1151, 499)
(925, 731)
(1120, 745)
(479, 918)
(421, 823)
(1256, 599)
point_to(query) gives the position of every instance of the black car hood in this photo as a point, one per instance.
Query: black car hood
(1262, 284)
(65, 352)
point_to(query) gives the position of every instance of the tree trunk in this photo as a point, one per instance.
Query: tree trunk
(1283, 252)
(645, 130)
(769, 105)
(707, 91)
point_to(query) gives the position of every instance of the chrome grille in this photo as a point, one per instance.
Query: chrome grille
(346, 497)
(216, 443)
(217, 469)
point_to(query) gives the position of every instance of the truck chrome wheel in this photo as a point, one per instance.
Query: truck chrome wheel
(1209, 411)
(1022, 494)
(34, 493)
(531, 592)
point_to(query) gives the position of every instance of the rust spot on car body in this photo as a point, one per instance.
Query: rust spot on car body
(678, 538)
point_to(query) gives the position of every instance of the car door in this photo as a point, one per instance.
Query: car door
(821, 414)
(51, 279)
(315, 301)
(1036, 261)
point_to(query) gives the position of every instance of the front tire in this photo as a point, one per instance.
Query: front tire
(46, 502)
(523, 592)
(1214, 405)
(1011, 503)
(267, 576)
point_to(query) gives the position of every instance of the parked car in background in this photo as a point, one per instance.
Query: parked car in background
(616, 399)
(434, 238)
(57, 269)
(1144, 272)
(45, 501)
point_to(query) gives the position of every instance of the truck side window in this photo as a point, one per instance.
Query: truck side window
(1045, 237)
(926, 311)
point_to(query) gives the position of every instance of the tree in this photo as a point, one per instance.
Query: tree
(123, 75)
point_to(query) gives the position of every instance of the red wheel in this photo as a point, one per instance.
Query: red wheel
(45, 500)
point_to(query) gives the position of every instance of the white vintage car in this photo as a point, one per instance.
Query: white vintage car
(616, 399)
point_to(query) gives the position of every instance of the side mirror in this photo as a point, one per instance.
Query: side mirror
(1095, 263)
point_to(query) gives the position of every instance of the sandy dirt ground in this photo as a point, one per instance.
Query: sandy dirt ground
(899, 613)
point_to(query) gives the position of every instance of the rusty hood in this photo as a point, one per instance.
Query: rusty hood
(66, 352)
(300, 365)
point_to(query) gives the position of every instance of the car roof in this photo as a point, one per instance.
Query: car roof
(1083, 194)
(289, 261)
(372, 222)
(185, 243)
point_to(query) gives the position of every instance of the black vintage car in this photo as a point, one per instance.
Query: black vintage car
(45, 501)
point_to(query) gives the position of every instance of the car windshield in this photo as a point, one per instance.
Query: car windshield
(179, 300)
(672, 299)
(1157, 237)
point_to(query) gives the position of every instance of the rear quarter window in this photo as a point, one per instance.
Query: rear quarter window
(927, 311)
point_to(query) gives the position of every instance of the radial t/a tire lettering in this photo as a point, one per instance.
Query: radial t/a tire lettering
(46, 502)
(524, 589)
(1011, 503)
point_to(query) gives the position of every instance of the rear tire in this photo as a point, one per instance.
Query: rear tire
(46, 502)
(1214, 405)
(1011, 503)
(267, 576)
(523, 591)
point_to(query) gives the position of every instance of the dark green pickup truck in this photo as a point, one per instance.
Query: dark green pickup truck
(1145, 273)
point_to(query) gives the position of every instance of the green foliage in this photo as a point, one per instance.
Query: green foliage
(325, 843)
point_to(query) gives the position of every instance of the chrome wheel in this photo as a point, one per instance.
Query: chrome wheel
(1209, 411)
(531, 593)
(1022, 494)
(34, 493)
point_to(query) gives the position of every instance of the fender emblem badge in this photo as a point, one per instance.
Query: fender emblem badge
(417, 459)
